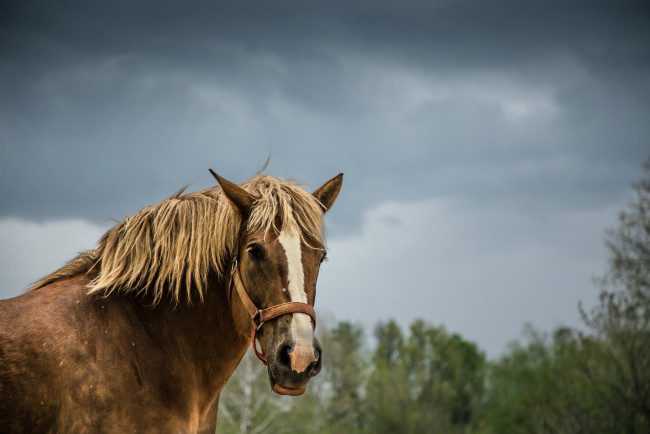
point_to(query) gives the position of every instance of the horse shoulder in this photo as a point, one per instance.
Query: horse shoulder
(36, 335)
(60, 367)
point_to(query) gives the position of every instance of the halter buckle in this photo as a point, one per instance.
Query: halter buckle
(256, 320)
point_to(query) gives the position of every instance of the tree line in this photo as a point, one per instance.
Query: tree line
(428, 380)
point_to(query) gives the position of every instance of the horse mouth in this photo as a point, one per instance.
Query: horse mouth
(285, 391)
(282, 390)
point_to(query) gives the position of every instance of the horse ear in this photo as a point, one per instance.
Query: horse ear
(328, 192)
(239, 197)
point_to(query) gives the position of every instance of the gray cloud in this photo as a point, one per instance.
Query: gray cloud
(492, 140)
(483, 274)
(109, 106)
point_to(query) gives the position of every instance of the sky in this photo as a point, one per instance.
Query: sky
(486, 146)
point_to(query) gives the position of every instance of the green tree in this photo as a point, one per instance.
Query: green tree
(346, 372)
(537, 387)
(595, 382)
(445, 374)
(247, 404)
(430, 382)
(334, 402)
(620, 370)
(387, 392)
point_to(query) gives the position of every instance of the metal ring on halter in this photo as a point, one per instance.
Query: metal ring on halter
(255, 318)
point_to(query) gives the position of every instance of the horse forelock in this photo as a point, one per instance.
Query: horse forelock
(167, 250)
(284, 204)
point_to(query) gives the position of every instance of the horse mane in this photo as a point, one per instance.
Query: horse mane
(174, 245)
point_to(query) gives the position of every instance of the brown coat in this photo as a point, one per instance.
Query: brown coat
(71, 362)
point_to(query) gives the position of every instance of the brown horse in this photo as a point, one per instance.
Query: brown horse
(142, 333)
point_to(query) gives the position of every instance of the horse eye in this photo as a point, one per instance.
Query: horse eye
(256, 251)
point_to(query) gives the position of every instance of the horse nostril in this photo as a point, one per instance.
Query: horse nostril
(304, 360)
(314, 367)
(284, 357)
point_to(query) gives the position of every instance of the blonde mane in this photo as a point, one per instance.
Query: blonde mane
(169, 249)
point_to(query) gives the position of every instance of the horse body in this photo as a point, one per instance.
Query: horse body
(142, 333)
(117, 365)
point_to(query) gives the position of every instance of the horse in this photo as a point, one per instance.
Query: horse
(142, 333)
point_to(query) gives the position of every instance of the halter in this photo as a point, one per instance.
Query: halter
(260, 316)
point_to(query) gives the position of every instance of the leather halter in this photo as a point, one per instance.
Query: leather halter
(260, 316)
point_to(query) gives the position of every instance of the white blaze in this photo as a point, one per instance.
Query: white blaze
(301, 326)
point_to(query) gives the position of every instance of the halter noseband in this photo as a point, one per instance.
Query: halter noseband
(260, 316)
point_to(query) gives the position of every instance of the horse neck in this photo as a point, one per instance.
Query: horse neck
(206, 339)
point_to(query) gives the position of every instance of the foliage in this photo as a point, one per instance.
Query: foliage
(596, 381)
(538, 388)
(429, 382)
(246, 404)
(621, 320)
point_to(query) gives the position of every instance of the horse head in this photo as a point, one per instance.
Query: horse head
(274, 277)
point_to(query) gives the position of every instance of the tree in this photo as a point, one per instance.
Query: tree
(538, 387)
(595, 382)
(334, 402)
(620, 370)
(346, 372)
(430, 382)
(246, 404)
(387, 391)
(446, 378)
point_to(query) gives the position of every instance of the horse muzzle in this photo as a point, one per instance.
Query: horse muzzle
(291, 367)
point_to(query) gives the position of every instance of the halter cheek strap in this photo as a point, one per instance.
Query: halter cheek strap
(260, 316)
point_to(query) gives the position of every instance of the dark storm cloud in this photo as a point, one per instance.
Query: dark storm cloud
(489, 143)
(445, 33)
(108, 106)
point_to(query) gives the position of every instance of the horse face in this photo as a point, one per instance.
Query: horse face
(279, 268)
